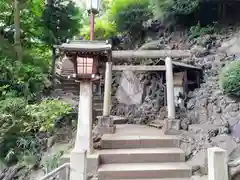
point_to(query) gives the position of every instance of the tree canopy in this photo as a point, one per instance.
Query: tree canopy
(30, 28)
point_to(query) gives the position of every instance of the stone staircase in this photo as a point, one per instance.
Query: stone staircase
(141, 152)
(71, 87)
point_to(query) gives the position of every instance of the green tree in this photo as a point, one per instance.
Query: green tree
(22, 83)
(129, 16)
(61, 21)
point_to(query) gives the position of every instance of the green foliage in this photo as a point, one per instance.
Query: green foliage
(31, 77)
(53, 162)
(171, 8)
(22, 117)
(196, 31)
(102, 31)
(161, 9)
(129, 15)
(230, 79)
(19, 122)
(185, 7)
(186, 12)
(42, 116)
(61, 20)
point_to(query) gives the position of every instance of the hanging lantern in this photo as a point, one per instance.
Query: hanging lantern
(85, 67)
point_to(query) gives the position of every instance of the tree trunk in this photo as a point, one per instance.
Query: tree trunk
(53, 64)
(17, 41)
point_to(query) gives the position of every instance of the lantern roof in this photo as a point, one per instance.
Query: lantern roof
(81, 46)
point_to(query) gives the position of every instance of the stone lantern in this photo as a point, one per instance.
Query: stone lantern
(86, 56)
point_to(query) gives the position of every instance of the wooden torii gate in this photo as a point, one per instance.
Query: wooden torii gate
(140, 54)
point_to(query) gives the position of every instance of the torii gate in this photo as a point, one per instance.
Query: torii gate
(129, 54)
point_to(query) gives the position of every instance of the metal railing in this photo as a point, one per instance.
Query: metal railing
(60, 173)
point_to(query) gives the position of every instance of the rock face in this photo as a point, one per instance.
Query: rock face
(130, 90)
(152, 99)
(212, 118)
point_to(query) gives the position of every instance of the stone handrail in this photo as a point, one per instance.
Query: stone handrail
(60, 169)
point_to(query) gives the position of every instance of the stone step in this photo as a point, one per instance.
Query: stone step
(129, 142)
(144, 170)
(141, 155)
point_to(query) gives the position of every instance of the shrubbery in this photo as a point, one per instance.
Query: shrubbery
(23, 115)
(230, 79)
(197, 31)
(171, 8)
(129, 15)
(121, 17)
(21, 122)
(103, 29)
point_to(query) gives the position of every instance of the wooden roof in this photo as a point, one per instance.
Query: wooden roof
(184, 65)
(79, 46)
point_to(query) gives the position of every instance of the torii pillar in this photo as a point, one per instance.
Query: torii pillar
(105, 122)
(170, 95)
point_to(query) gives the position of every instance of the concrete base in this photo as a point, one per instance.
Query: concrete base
(105, 125)
(107, 129)
(78, 164)
(93, 161)
(171, 124)
(217, 164)
(105, 121)
(175, 124)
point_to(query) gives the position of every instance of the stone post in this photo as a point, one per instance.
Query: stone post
(83, 142)
(217, 164)
(170, 93)
(84, 127)
(170, 90)
(107, 89)
(78, 164)
(105, 122)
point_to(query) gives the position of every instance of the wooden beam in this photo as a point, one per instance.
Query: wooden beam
(129, 54)
(138, 68)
